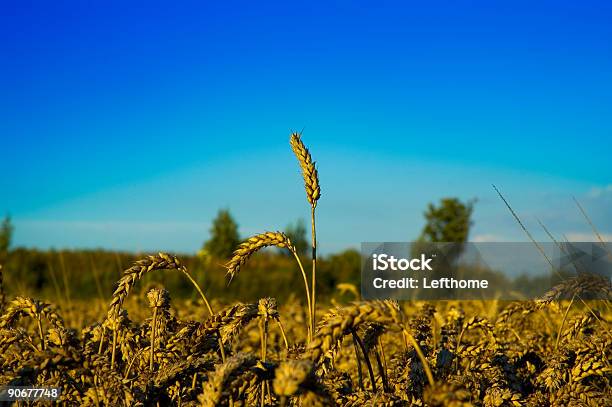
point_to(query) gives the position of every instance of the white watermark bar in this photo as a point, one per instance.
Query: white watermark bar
(503, 271)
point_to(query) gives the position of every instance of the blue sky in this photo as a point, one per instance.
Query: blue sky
(128, 125)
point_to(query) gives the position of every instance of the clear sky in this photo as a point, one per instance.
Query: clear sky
(128, 124)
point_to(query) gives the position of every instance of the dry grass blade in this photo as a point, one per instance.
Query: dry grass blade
(588, 219)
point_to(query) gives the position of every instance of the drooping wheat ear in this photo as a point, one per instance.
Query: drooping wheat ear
(243, 315)
(343, 321)
(11, 336)
(220, 328)
(253, 244)
(182, 370)
(35, 309)
(215, 323)
(309, 170)
(296, 378)
(594, 285)
(577, 325)
(161, 261)
(131, 276)
(26, 306)
(229, 380)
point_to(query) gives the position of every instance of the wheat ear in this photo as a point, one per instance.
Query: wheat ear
(228, 380)
(162, 261)
(25, 306)
(252, 245)
(309, 171)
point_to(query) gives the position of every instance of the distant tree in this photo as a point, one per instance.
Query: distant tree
(6, 236)
(224, 236)
(448, 222)
(297, 234)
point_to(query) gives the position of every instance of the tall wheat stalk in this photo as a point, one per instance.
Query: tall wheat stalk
(313, 193)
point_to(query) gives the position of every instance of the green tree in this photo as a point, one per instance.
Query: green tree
(223, 236)
(297, 234)
(448, 222)
(6, 235)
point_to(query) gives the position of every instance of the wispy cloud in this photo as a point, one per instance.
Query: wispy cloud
(587, 237)
(597, 192)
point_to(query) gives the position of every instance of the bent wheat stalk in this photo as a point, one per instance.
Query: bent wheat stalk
(131, 276)
(255, 243)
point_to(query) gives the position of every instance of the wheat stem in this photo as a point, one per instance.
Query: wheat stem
(313, 322)
(308, 299)
(563, 321)
(359, 368)
(199, 290)
(114, 348)
(153, 323)
(366, 358)
(421, 355)
(40, 331)
(382, 354)
(263, 334)
(282, 330)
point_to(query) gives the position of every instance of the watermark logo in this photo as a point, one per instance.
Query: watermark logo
(506, 271)
(382, 262)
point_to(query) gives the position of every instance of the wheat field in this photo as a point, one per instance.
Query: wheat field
(141, 348)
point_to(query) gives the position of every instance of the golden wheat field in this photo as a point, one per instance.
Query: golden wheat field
(141, 348)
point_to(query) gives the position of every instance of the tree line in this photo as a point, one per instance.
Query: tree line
(87, 273)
